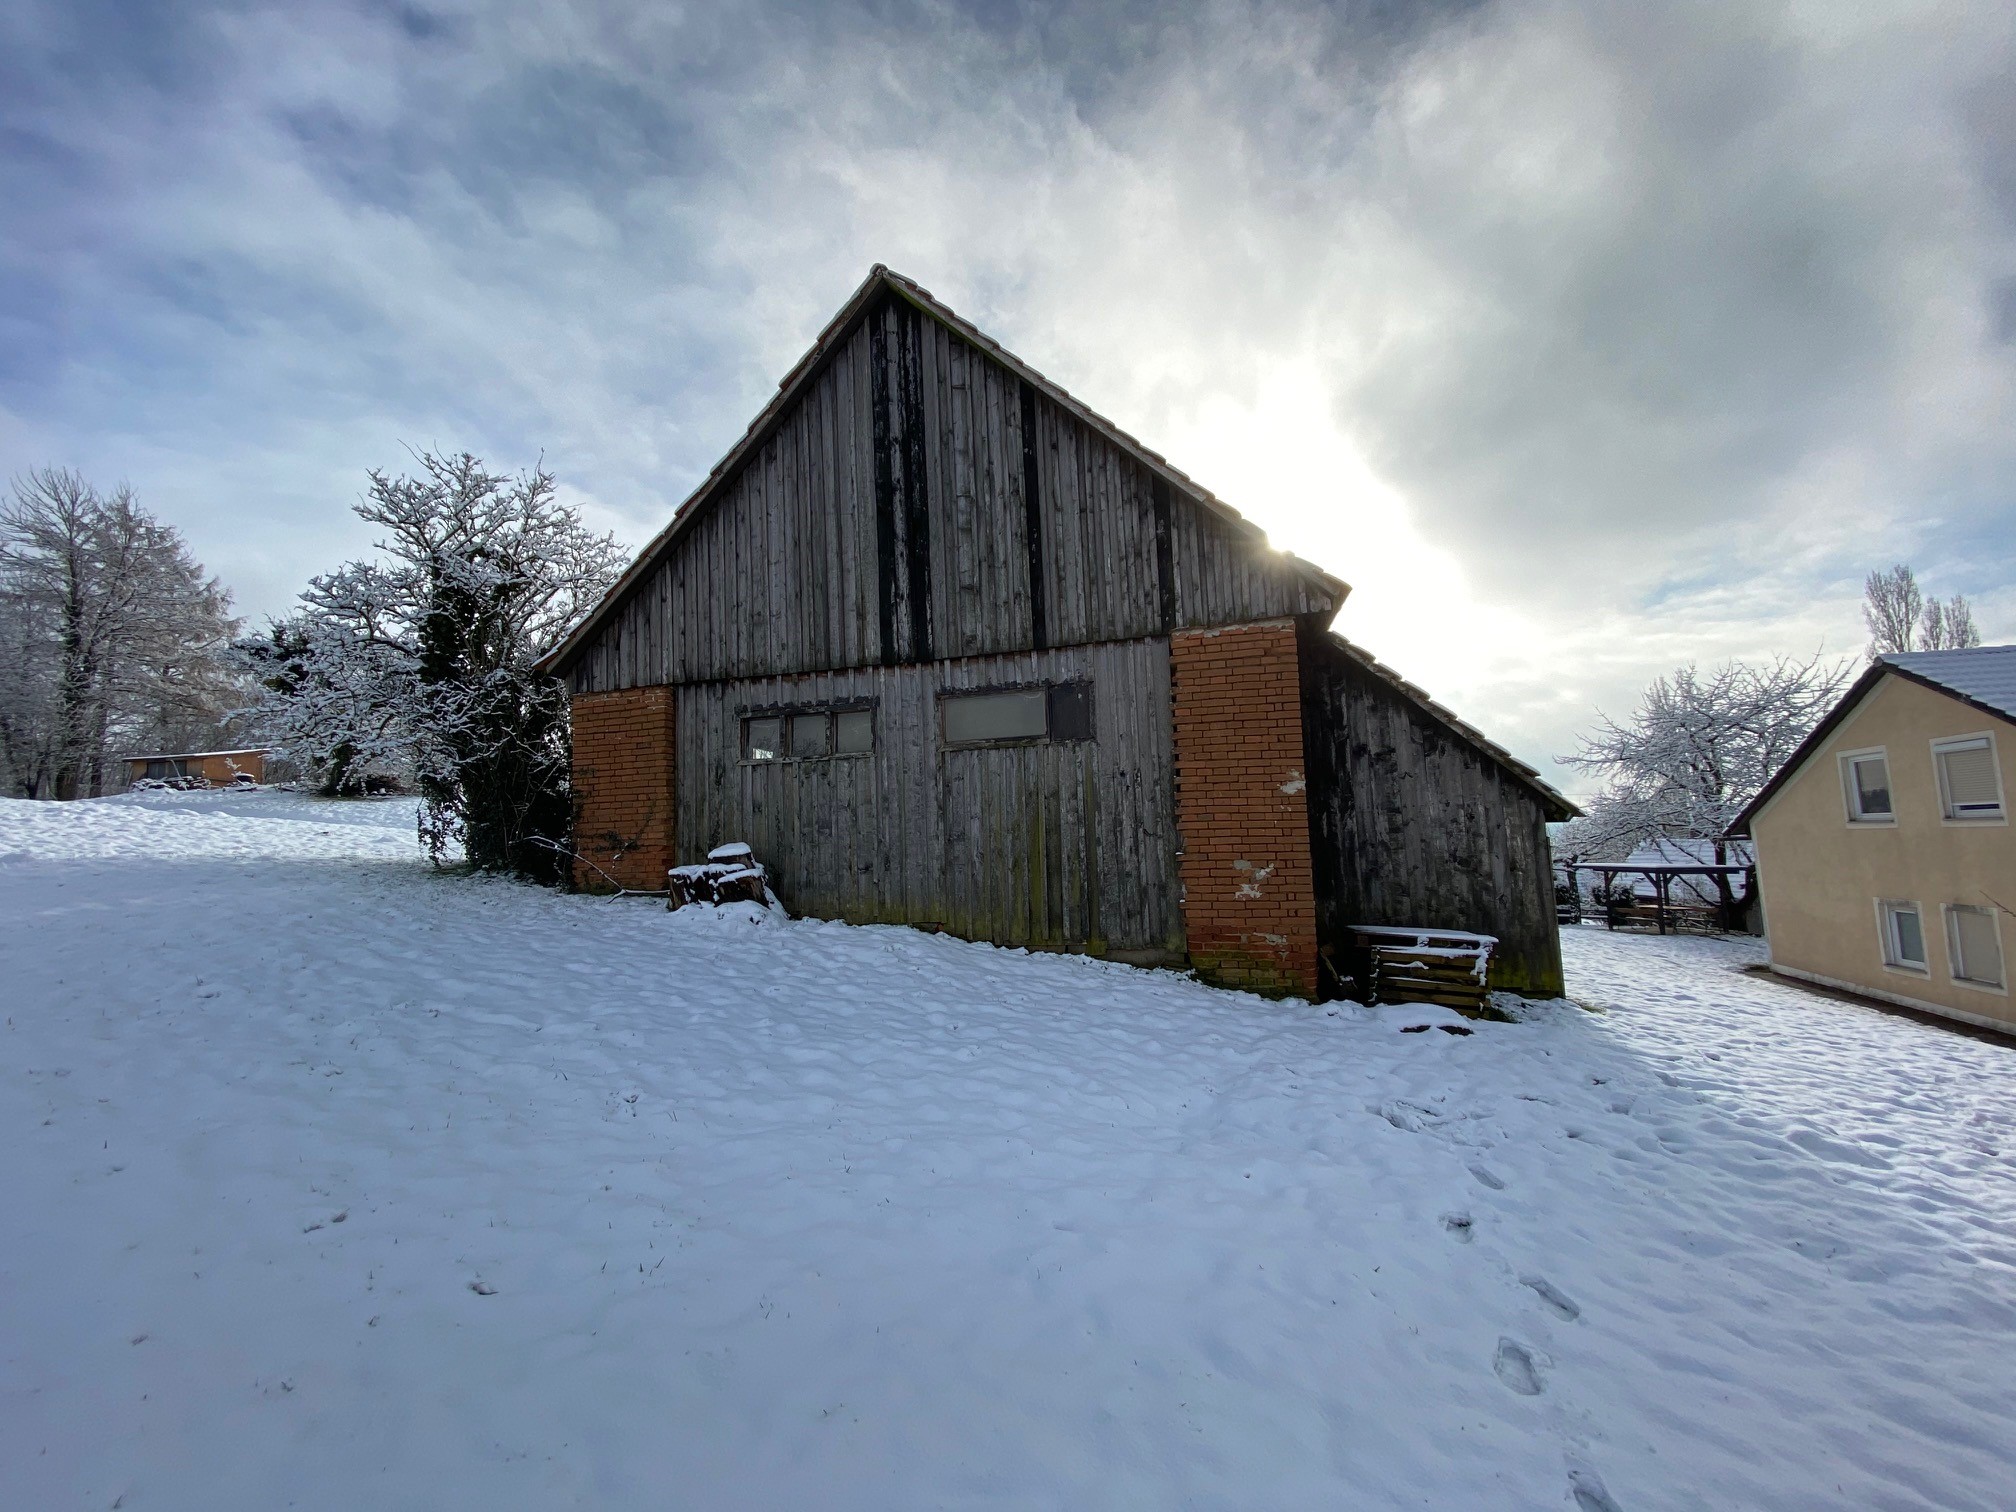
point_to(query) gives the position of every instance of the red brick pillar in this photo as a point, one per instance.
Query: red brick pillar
(625, 778)
(1249, 894)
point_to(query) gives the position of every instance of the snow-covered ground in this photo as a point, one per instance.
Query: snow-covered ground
(329, 1182)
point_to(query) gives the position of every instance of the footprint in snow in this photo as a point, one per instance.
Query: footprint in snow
(1587, 1488)
(1460, 1226)
(1490, 1178)
(1517, 1368)
(1553, 1296)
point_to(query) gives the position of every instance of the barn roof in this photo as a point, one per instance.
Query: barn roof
(1982, 677)
(1557, 806)
(882, 280)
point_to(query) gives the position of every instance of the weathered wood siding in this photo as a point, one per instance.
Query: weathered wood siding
(1411, 824)
(921, 500)
(1057, 844)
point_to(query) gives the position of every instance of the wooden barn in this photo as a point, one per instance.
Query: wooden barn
(948, 649)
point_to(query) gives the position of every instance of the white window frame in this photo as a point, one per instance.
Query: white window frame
(1961, 742)
(1886, 937)
(1953, 957)
(1851, 793)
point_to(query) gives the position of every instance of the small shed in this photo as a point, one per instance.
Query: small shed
(948, 648)
(210, 768)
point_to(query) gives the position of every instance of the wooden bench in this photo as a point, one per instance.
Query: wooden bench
(1678, 916)
(1449, 967)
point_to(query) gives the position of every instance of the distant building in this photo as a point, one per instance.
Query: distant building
(947, 648)
(1884, 849)
(215, 768)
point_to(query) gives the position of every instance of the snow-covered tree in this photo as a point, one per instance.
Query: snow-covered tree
(1700, 747)
(1901, 618)
(111, 636)
(422, 660)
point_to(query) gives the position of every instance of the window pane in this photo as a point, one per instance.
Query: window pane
(1908, 937)
(1071, 711)
(853, 731)
(763, 739)
(1980, 953)
(811, 735)
(1969, 777)
(971, 717)
(1872, 786)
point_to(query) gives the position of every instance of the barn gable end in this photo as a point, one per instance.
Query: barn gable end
(916, 494)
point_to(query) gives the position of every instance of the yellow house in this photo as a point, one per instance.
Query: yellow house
(1884, 851)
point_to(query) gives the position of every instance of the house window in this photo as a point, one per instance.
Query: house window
(1866, 777)
(1903, 936)
(807, 734)
(1972, 936)
(1017, 716)
(1970, 787)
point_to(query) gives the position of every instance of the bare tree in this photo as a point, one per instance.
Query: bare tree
(1901, 618)
(1949, 626)
(1698, 749)
(423, 659)
(112, 630)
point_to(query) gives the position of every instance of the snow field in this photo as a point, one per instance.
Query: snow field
(332, 1182)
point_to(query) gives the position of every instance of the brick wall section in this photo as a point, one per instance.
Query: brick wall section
(624, 776)
(1249, 896)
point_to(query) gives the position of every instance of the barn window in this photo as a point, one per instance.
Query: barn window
(853, 732)
(762, 739)
(1017, 716)
(807, 733)
(1970, 787)
(811, 735)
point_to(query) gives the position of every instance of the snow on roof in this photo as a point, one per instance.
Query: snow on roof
(193, 755)
(1985, 674)
(1682, 850)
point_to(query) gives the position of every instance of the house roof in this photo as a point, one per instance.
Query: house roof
(1983, 677)
(1557, 806)
(193, 755)
(882, 279)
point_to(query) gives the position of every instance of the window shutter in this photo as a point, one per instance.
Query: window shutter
(1980, 952)
(1970, 779)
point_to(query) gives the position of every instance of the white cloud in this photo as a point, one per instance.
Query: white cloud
(1581, 339)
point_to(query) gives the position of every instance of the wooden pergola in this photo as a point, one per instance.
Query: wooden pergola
(1660, 874)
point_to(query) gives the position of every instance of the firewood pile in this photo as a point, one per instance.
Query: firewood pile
(1448, 967)
(730, 874)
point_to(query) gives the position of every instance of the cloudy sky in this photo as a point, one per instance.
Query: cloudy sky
(1582, 339)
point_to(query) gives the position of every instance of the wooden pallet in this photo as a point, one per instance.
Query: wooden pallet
(1441, 966)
